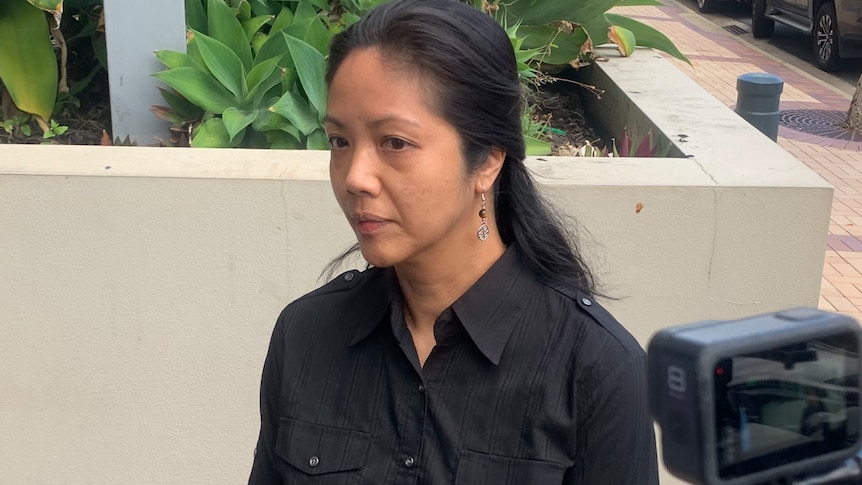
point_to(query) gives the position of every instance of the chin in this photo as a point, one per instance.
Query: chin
(377, 256)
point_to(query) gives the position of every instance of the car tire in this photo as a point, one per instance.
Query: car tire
(761, 27)
(706, 6)
(825, 37)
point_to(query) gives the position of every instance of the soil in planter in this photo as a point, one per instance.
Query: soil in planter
(560, 105)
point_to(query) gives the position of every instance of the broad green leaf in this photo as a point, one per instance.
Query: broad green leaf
(320, 4)
(304, 10)
(598, 30)
(536, 12)
(647, 36)
(281, 140)
(261, 72)
(196, 16)
(259, 91)
(275, 46)
(28, 66)
(317, 141)
(243, 10)
(192, 48)
(183, 107)
(52, 6)
(257, 43)
(623, 38)
(253, 25)
(261, 7)
(227, 29)
(200, 88)
(536, 147)
(565, 47)
(284, 18)
(298, 112)
(268, 121)
(312, 31)
(235, 121)
(212, 134)
(310, 67)
(173, 59)
(223, 64)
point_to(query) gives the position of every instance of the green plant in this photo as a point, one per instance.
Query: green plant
(252, 77)
(19, 123)
(54, 129)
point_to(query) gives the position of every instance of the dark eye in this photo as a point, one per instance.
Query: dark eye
(396, 143)
(336, 142)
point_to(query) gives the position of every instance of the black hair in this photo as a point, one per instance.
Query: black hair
(469, 63)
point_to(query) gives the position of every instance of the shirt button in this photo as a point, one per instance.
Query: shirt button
(586, 301)
(314, 461)
(421, 388)
(348, 277)
(408, 462)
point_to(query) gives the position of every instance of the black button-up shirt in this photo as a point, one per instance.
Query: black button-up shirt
(528, 384)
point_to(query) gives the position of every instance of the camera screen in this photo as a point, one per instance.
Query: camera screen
(786, 404)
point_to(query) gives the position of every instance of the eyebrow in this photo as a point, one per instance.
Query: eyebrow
(376, 123)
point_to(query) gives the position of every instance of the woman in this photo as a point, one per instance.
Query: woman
(471, 352)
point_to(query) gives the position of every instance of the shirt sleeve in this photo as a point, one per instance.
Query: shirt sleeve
(615, 437)
(263, 471)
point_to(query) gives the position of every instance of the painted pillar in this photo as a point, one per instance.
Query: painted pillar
(134, 30)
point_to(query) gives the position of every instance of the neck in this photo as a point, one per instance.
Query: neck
(432, 284)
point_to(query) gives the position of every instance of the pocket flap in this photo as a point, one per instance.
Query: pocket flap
(316, 449)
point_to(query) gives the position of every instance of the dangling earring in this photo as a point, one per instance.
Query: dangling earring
(483, 229)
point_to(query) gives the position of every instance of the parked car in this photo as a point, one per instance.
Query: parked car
(835, 26)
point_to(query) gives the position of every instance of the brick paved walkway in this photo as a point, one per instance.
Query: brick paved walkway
(718, 58)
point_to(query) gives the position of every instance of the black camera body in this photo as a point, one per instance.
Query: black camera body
(765, 398)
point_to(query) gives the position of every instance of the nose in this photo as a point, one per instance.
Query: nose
(362, 175)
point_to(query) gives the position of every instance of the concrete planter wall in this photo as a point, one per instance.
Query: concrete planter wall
(140, 285)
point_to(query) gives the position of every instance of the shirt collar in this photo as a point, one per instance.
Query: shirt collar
(488, 310)
(491, 307)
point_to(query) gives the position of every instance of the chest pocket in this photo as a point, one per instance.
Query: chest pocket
(320, 454)
(475, 467)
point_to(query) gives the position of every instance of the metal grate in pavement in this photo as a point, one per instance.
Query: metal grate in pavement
(820, 122)
(735, 29)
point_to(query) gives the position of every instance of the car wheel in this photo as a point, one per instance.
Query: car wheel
(706, 6)
(825, 38)
(761, 27)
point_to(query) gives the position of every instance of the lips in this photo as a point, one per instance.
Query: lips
(367, 224)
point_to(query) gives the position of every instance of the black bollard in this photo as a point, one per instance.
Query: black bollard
(758, 96)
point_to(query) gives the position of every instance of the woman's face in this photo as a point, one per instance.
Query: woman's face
(396, 166)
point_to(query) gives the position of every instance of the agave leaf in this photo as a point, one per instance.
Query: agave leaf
(253, 25)
(282, 140)
(312, 31)
(212, 134)
(304, 10)
(235, 121)
(200, 88)
(261, 7)
(173, 59)
(28, 66)
(257, 93)
(310, 66)
(261, 72)
(196, 16)
(51, 6)
(227, 29)
(623, 38)
(317, 141)
(168, 114)
(296, 110)
(645, 147)
(183, 107)
(257, 42)
(267, 120)
(537, 147)
(223, 64)
(275, 46)
(284, 18)
(625, 144)
(320, 4)
(647, 36)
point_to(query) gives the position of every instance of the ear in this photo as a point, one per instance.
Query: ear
(487, 174)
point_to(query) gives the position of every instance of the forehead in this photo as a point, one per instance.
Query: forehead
(370, 76)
